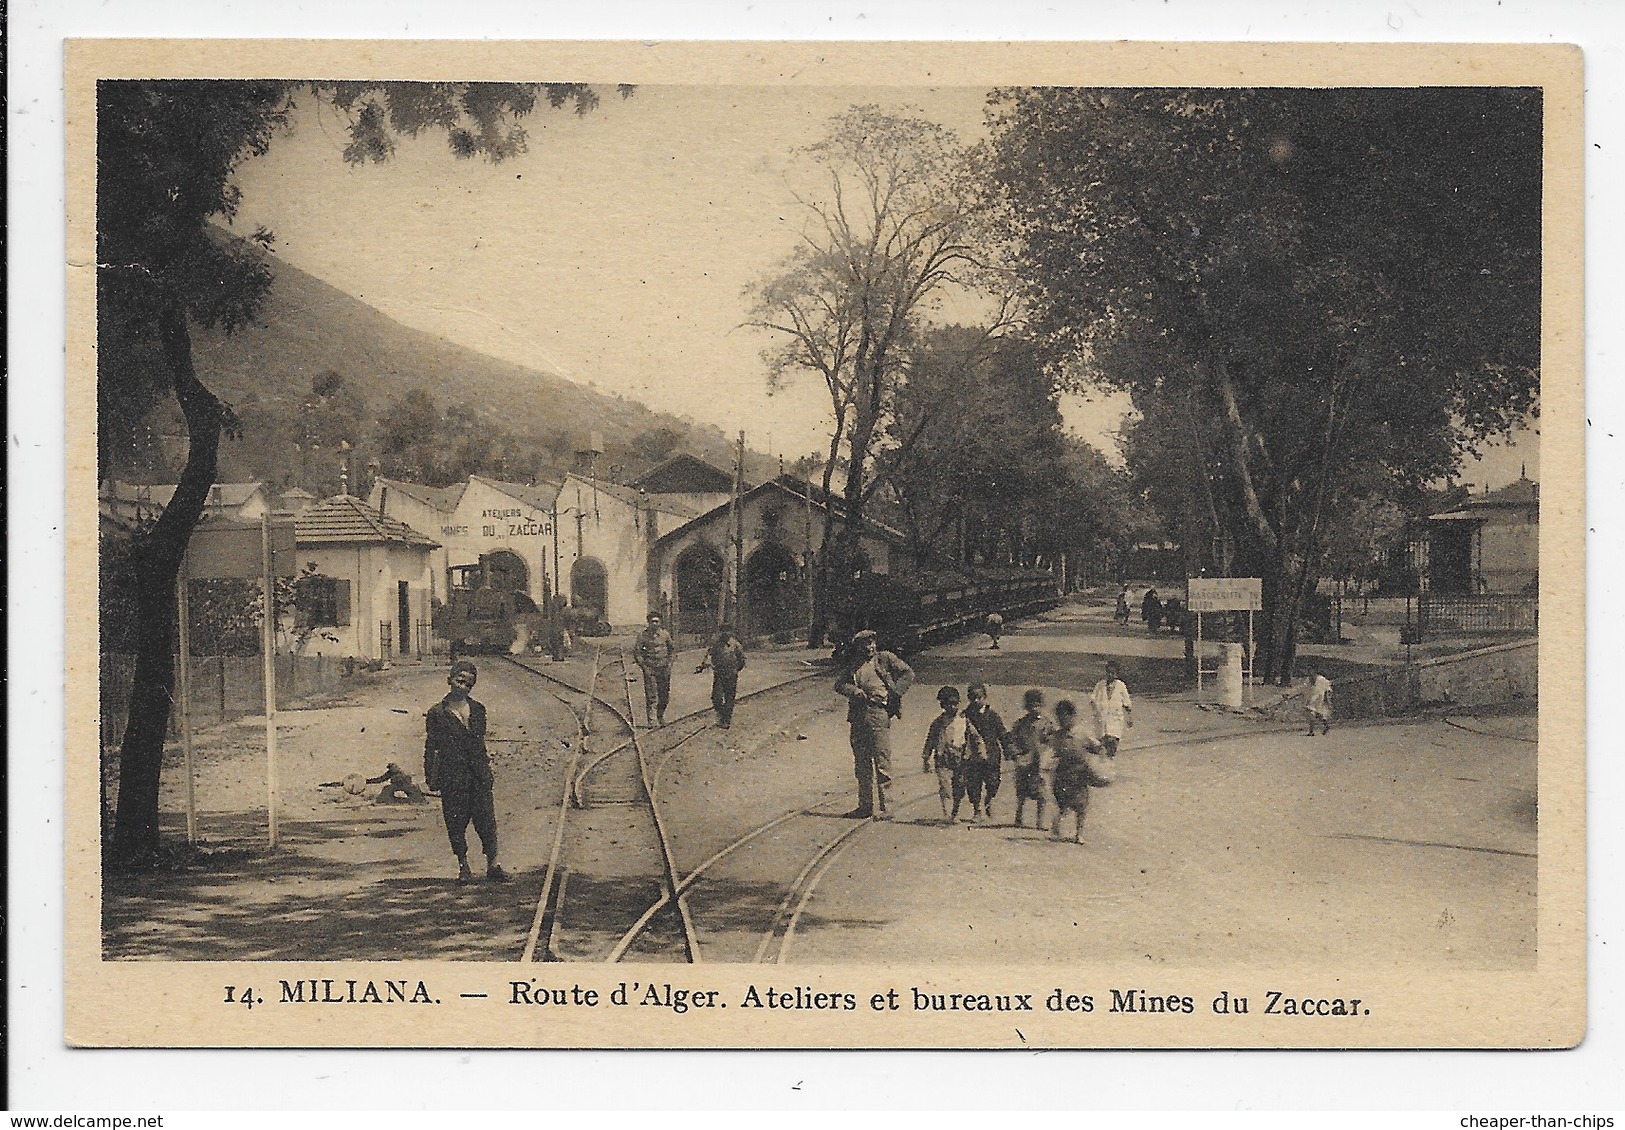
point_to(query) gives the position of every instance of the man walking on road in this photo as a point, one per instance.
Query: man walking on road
(1113, 708)
(654, 652)
(726, 658)
(455, 765)
(873, 685)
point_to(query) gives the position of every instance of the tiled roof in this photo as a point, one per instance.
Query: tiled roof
(663, 504)
(444, 499)
(797, 492)
(684, 473)
(345, 518)
(541, 496)
(1514, 496)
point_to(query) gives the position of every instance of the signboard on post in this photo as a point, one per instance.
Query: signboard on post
(235, 551)
(1225, 594)
(222, 550)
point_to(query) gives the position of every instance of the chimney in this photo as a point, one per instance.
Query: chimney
(383, 502)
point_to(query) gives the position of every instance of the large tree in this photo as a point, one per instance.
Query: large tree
(975, 449)
(1297, 288)
(167, 157)
(893, 221)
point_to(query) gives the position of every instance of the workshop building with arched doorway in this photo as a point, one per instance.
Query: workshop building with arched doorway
(777, 531)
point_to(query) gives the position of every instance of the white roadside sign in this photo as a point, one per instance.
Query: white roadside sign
(1225, 594)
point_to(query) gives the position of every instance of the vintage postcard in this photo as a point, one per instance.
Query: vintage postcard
(825, 545)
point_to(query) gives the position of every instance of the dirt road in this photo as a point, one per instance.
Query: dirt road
(1222, 841)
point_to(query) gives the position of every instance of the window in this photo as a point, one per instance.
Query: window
(323, 602)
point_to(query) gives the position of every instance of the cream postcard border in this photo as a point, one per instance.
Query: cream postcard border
(178, 1003)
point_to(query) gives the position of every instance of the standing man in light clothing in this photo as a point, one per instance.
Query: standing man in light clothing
(1113, 708)
(654, 652)
(873, 685)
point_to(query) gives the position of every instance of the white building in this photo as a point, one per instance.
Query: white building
(605, 534)
(370, 595)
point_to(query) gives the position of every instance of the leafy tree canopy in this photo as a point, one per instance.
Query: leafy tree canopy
(1302, 284)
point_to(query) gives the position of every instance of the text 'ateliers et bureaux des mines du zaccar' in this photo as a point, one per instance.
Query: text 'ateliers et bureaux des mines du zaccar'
(681, 1000)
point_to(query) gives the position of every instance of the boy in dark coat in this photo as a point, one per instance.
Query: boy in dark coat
(456, 765)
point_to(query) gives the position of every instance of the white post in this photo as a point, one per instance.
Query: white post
(1198, 654)
(268, 646)
(183, 697)
(1252, 658)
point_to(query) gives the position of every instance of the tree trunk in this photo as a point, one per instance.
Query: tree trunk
(1283, 604)
(818, 630)
(135, 826)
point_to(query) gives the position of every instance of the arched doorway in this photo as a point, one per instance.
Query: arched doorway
(589, 587)
(697, 579)
(774, 598)
(507, 572)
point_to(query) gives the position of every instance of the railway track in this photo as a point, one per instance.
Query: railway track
(610, 857)
(717, 898)
(727, 914)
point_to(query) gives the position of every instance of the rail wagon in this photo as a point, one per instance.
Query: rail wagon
(921, 609)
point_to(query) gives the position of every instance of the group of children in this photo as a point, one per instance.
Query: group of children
(1056, 763)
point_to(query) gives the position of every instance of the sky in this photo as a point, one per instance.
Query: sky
(618, 250)
(46, 1069)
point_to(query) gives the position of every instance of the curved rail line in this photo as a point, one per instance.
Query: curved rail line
(783, 921)
(782, 924)
(552, 877)
(574, 796)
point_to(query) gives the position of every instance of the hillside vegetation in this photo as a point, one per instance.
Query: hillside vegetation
(319, 368)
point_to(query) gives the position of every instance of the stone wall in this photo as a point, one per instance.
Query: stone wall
(1503, 673)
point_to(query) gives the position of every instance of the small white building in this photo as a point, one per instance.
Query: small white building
(369, 595)
(1487, 543)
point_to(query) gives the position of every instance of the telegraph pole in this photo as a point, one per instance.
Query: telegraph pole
(739, 532)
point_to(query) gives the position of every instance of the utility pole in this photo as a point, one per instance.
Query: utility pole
(555, 524)
(809, 579)
(738, 523)
(268, 646)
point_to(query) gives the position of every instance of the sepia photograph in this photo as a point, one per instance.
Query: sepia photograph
(984, 539)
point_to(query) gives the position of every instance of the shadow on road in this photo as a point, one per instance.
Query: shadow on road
(241, 904)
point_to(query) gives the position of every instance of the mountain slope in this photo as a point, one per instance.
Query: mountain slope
(307, 328)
